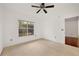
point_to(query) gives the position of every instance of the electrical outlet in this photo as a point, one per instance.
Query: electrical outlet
(62, 29)
(55, 37)
(11, 39)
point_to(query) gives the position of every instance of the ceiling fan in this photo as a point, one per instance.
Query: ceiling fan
(42, 7)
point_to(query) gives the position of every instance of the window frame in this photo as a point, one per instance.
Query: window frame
(26, 29)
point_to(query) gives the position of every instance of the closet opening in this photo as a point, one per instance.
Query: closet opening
(71, 31)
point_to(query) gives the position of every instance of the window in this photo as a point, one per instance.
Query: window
(26, 28)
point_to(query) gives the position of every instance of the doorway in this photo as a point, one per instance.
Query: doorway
(71, 31)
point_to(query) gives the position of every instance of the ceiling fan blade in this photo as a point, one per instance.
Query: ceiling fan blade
(36, 6)
(38, 11)
(44, 10)
(51, 6)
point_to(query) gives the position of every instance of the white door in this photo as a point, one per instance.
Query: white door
(1, 29)
(1, 38)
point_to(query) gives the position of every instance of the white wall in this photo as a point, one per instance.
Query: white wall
(1, 35)
(46, 25)
(54, 21)
(15, 12)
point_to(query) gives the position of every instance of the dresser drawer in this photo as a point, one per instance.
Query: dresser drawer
(71, 41)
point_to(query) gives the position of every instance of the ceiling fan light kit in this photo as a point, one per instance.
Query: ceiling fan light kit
(42, 7)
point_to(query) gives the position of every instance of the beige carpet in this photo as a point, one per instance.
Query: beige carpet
(41, 48)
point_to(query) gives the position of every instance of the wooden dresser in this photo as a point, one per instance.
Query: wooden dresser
(73, 41)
